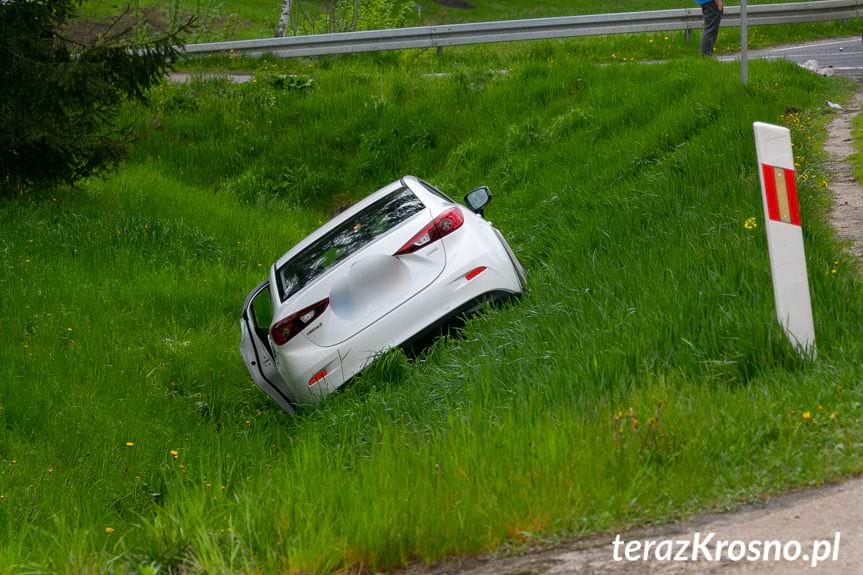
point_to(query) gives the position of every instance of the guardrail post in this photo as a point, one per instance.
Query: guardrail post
(687, 35)
(744, 43)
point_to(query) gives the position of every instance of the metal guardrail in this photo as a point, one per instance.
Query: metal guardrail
(534, 29)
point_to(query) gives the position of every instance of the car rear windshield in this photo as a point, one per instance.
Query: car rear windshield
(349, 237)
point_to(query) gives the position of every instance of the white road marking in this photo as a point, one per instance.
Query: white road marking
(804, 56)
(846, 41)
(811, 55)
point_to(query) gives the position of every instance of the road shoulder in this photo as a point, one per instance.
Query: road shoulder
(846, 213)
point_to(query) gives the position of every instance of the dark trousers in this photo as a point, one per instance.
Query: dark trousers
(712, 16)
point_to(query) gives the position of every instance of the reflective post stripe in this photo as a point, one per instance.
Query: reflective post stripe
(781, 191)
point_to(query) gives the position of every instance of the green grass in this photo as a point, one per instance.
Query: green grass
(641, 378)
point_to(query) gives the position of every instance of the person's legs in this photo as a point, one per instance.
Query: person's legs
(712, 16)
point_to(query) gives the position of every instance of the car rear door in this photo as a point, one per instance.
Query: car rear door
(255, 346)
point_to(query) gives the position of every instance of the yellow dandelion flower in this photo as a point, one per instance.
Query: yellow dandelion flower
(130, 444)
(807, 415)
(174, 453)
(833, 415)
(109, 530)
(824, 183)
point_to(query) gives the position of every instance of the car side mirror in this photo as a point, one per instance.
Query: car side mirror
(478, 199)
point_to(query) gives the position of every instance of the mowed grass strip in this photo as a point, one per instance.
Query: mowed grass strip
(641, 378)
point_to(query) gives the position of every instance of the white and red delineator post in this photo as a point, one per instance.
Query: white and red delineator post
(784, 234)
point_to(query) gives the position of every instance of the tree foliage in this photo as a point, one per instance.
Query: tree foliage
(59, 96)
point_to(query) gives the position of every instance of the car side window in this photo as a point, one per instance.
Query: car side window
(262, 308)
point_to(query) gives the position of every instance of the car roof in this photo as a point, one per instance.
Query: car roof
(428, 199)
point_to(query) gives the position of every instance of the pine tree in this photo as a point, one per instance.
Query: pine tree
(59, 97)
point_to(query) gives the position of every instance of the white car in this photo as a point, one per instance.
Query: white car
(404, 260)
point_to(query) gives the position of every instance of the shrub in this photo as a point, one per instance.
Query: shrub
(352, 15)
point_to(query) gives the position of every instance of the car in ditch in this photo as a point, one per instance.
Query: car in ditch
(392, 268)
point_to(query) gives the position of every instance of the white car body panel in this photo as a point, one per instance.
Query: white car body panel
(377, 300)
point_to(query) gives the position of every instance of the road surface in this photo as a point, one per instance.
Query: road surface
(842, 57)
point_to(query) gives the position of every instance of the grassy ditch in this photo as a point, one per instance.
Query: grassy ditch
(641, 378)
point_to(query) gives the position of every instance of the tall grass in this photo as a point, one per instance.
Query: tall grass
(641, 378)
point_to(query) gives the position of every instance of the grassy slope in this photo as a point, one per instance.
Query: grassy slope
(642, 377)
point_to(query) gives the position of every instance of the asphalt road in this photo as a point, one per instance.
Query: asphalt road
(842, 57)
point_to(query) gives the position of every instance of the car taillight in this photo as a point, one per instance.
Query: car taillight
(444, 224)
(287, 328)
